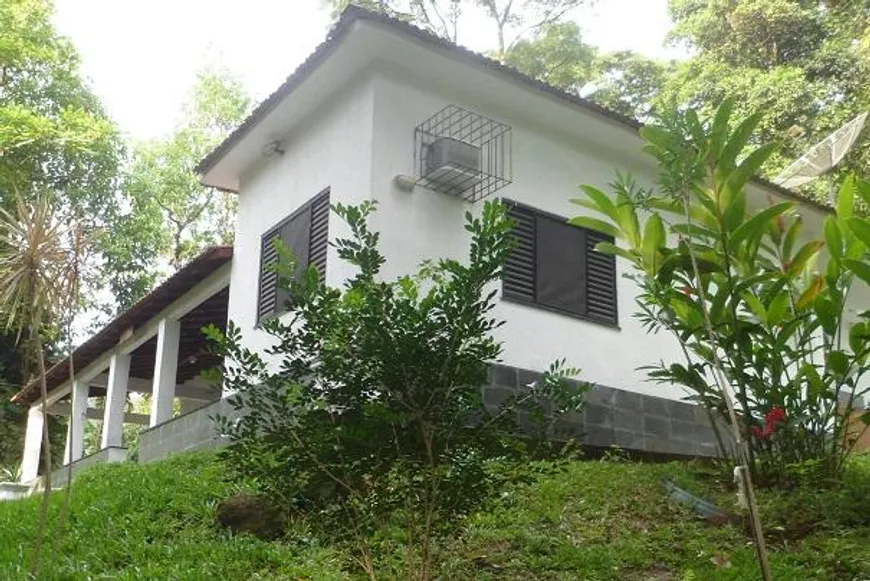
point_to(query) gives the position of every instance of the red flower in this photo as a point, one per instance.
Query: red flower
(775, 416)
(687, 290)
(772, 419)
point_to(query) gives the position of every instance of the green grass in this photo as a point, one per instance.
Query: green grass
(593, 520)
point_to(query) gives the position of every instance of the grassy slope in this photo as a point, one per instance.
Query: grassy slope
(593, 521)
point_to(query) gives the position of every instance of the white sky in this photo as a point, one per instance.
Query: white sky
(142, 55)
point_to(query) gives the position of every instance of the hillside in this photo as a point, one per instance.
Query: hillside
(591, 520)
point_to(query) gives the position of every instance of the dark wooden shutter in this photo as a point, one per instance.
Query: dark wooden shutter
(518, 281)
(560, 265)
(600, 279)
(554, 265)
(319, 232)
(268, 293)
(306, 234)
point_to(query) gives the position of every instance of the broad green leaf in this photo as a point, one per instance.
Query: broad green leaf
(791, 237)
(756, 225)
(596, 224)
(859, 334)
(653, 240)
(859, 268)
(838, 362)
(755, 306)
(602, 200)
(628, 222)
(864, 190)
(735, 213)
(659, 137)
(834, 239)
(778, 308)
(803, 256)
(810, 294)
(610, 248)
(846, 197)
(748, 168)
(828, 314)
(690, 230)
(737, 142)
(719, 131)
(860, 227)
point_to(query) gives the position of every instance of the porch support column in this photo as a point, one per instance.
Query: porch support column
(116, 399)
(75, 434)
(165, 370)
(32, 444)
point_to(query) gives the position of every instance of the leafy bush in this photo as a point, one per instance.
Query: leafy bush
(367, 415)
(744, 296)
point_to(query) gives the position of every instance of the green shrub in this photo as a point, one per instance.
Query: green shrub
(371, 420)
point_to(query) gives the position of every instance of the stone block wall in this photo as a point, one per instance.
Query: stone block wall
(615, 417)
(59, 477)
(191, 431)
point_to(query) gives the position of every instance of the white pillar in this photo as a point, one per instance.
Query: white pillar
(75, 434)
(165, 369)
(32, 444)
(116, 399)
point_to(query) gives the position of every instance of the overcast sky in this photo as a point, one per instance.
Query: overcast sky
(142, 55)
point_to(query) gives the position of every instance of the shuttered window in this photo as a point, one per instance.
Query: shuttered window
(306, 234)
(554, 265)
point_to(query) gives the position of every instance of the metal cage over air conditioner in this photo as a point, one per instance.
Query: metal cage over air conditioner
(463, 154)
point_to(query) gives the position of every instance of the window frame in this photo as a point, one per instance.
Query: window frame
(308, 206)
(585, 316)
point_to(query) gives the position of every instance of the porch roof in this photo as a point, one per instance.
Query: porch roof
(140, 313)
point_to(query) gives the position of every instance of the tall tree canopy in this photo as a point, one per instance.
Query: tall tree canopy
(54, 135)
(168, 217)
(511, 21)
(56, 142)
(805, 63)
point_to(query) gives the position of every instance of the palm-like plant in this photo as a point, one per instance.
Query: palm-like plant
(38, 274)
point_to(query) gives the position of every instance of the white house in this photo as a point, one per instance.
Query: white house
(384, 111)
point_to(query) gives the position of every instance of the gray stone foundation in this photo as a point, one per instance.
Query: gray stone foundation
(616, 417)
(59, 477)
(613, 417)
(191, 431)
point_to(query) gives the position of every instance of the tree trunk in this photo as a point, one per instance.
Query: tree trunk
(46, 456)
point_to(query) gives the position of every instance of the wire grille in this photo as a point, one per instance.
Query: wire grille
(487, 140)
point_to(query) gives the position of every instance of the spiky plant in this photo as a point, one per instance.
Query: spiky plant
(37, 264)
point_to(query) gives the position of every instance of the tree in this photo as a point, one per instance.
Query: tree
(56, 142)
(511, 20)
(170, 217)
(39, 273)
(54, 137)
(629, 83)
(374, 430)
(805, 63)
(556, 55)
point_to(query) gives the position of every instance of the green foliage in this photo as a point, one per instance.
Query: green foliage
(54, 136)
(556, 55)
(370, 415)
(741, 288)
(803, 63)
(170, 217)
(619, 526)
(152, 522)
(552, 521)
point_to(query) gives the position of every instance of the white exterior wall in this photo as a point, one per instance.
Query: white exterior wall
(546, 172)
(332, 150)
(359, 141)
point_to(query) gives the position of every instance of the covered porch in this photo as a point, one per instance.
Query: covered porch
(156, 348)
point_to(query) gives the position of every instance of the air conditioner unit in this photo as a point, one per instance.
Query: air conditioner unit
(453, 163)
